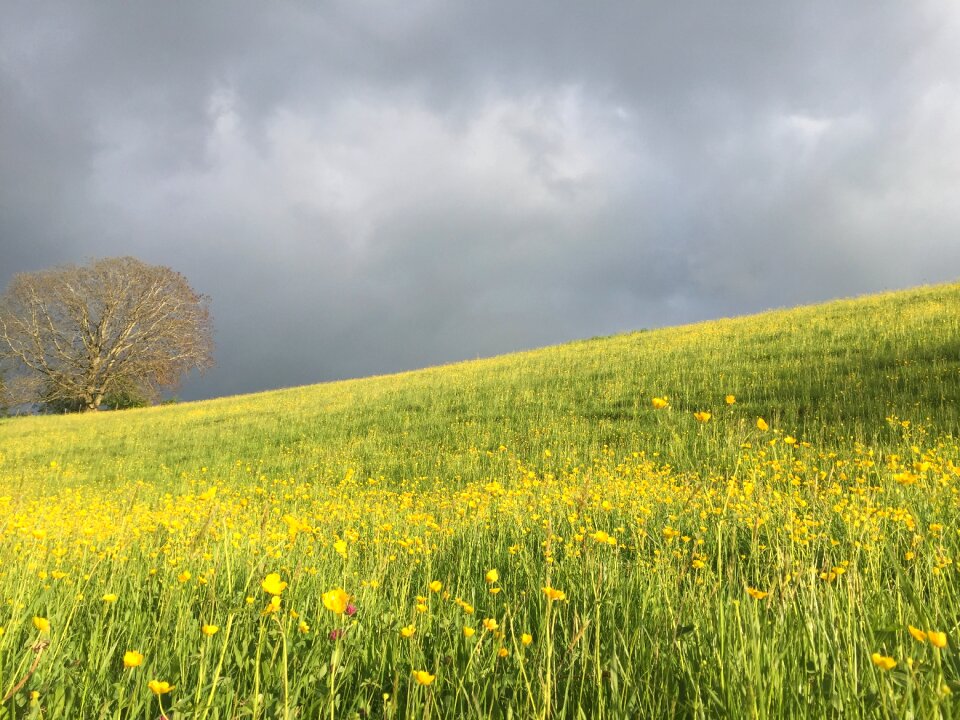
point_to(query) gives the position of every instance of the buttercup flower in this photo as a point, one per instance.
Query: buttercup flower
(554, 594)
(132, 659)
(883, 662)
(273, 606)
(336, 600)
(423, 677)
(273, 584)
(160, 687)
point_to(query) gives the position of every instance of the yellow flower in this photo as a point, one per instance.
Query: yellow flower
(730, 399)
(273, 584)
(468, 631)
(554, 594)
(762, 424)
(702, 416)
(526, 639)
(756, 594)
(41, 624)
(883, 661)
(273, 606)
(209, 630)
(336, 600)
(110, 598)
(341, 547)
(918, 635)
(659, 403)
(937, 639)
(184, 576)
(600, 536)
(421, 607)
(503, 652)
(436, 586)
(303, 627)
(490, 624)
(423, 677)
(467, 608)
(491, 577)
(408, 631)
(906, 478)
(132, 659)
(160, 687)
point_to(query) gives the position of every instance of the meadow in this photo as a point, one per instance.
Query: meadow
(746, 518)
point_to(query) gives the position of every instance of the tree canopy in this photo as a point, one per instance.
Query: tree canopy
(116, 329)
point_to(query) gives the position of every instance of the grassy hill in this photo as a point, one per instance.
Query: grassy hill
(523, 536)
(827, 373)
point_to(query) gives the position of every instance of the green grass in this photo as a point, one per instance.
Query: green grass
(513, 463)
(825, 372)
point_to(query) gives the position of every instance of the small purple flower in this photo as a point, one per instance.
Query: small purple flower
(336, 634)
(351, 610)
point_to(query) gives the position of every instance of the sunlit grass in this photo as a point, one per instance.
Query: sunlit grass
(741, 518)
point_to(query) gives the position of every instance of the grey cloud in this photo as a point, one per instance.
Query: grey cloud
(364, 187)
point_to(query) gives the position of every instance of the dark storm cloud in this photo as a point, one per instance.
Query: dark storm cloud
(364, 187)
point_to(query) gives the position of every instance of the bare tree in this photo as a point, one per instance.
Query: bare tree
(71, 335)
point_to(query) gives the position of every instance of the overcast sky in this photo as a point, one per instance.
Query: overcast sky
(365, 187)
